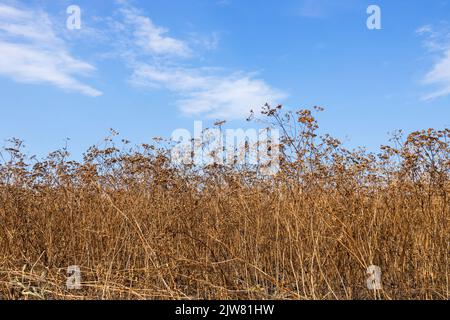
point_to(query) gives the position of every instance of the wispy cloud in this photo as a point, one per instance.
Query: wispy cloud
(151, 38)
(32, 52)
(160, 61)
(438, 42)
(206, 92)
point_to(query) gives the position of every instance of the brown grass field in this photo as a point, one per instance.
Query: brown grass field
(141, 228)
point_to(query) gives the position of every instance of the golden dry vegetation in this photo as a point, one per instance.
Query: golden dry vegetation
(142, 228)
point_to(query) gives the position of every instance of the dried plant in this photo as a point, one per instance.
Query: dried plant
(142, 228)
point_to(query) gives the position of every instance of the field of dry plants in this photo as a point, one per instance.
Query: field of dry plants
(141, 228)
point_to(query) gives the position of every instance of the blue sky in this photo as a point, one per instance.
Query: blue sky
(146, 68)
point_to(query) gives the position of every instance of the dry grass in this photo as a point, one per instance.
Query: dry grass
(140, 228)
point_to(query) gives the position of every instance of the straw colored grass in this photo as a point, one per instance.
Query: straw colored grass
(141, 228)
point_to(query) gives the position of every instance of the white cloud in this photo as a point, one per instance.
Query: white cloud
(440, 76)
(203, 91)
(151, 38)
(230, 97)
(437, 42)
(32, 52)
(163, 65)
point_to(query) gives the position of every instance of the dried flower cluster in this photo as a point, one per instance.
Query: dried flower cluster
(141, 228)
